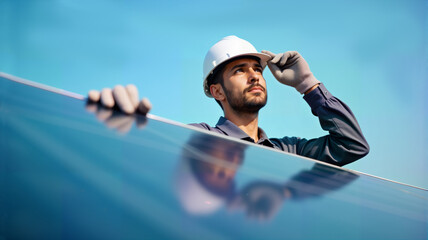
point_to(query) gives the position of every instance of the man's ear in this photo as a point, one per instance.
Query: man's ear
(217, 92)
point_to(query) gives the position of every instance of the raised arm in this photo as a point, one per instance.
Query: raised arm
(345, 142)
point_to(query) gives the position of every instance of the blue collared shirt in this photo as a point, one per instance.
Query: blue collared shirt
(344, 144)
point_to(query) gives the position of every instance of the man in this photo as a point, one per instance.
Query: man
(233, 77)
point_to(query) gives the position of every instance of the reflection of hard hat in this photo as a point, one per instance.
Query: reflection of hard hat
(194, 197)
(204, 175)
(226, 49)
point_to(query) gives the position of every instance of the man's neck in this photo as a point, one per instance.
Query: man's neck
(247, 122)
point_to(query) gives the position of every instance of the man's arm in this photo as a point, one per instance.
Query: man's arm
(345, 142)
(318, 181)
(312, 88)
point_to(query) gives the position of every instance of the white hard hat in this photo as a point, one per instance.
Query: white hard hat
(228, 48)
(194, 197)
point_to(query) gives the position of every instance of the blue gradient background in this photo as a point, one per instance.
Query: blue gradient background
(373, 55)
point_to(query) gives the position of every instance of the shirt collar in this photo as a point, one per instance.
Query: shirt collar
(230, 129)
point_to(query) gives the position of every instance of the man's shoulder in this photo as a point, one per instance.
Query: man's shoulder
(201, 125)
(207, 127)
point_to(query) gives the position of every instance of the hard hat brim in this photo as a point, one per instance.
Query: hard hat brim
(264, 58)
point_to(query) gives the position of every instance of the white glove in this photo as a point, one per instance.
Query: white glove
(116, 120)
(291, 69)
(126, 98)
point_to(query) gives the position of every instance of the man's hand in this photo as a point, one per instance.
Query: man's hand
(261, 200)
(116, 120)
(125, 98)
(291, 69)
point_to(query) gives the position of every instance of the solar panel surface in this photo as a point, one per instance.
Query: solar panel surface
(65, 174)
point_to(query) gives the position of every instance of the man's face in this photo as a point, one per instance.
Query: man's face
(244, 85)
(220, 174)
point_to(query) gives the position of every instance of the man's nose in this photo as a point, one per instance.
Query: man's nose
(253, 76)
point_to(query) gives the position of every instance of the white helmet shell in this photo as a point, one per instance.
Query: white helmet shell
(228, 48)
(194, 197)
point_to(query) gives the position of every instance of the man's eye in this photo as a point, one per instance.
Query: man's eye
(259, 70)
(238, 71)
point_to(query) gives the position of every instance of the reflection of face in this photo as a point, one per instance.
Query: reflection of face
(244, 85)
(220, 176)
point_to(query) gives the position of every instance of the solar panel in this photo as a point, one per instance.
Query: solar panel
(65, 174)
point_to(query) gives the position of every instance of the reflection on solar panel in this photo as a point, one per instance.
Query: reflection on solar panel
(64, 174)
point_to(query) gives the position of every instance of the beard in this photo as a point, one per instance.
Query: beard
(243, 103)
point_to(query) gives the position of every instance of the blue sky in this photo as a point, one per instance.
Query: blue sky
(373, 55)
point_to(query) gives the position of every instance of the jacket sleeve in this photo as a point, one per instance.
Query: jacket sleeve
(345, 142)
(318, 181)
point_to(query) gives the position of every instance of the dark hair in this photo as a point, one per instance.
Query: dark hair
(216, 77)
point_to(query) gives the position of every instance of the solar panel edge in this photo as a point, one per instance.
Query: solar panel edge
(179, 124)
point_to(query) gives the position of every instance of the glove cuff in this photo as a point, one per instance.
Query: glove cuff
(306, 84)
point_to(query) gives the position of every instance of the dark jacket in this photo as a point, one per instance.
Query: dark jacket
(344, 144)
